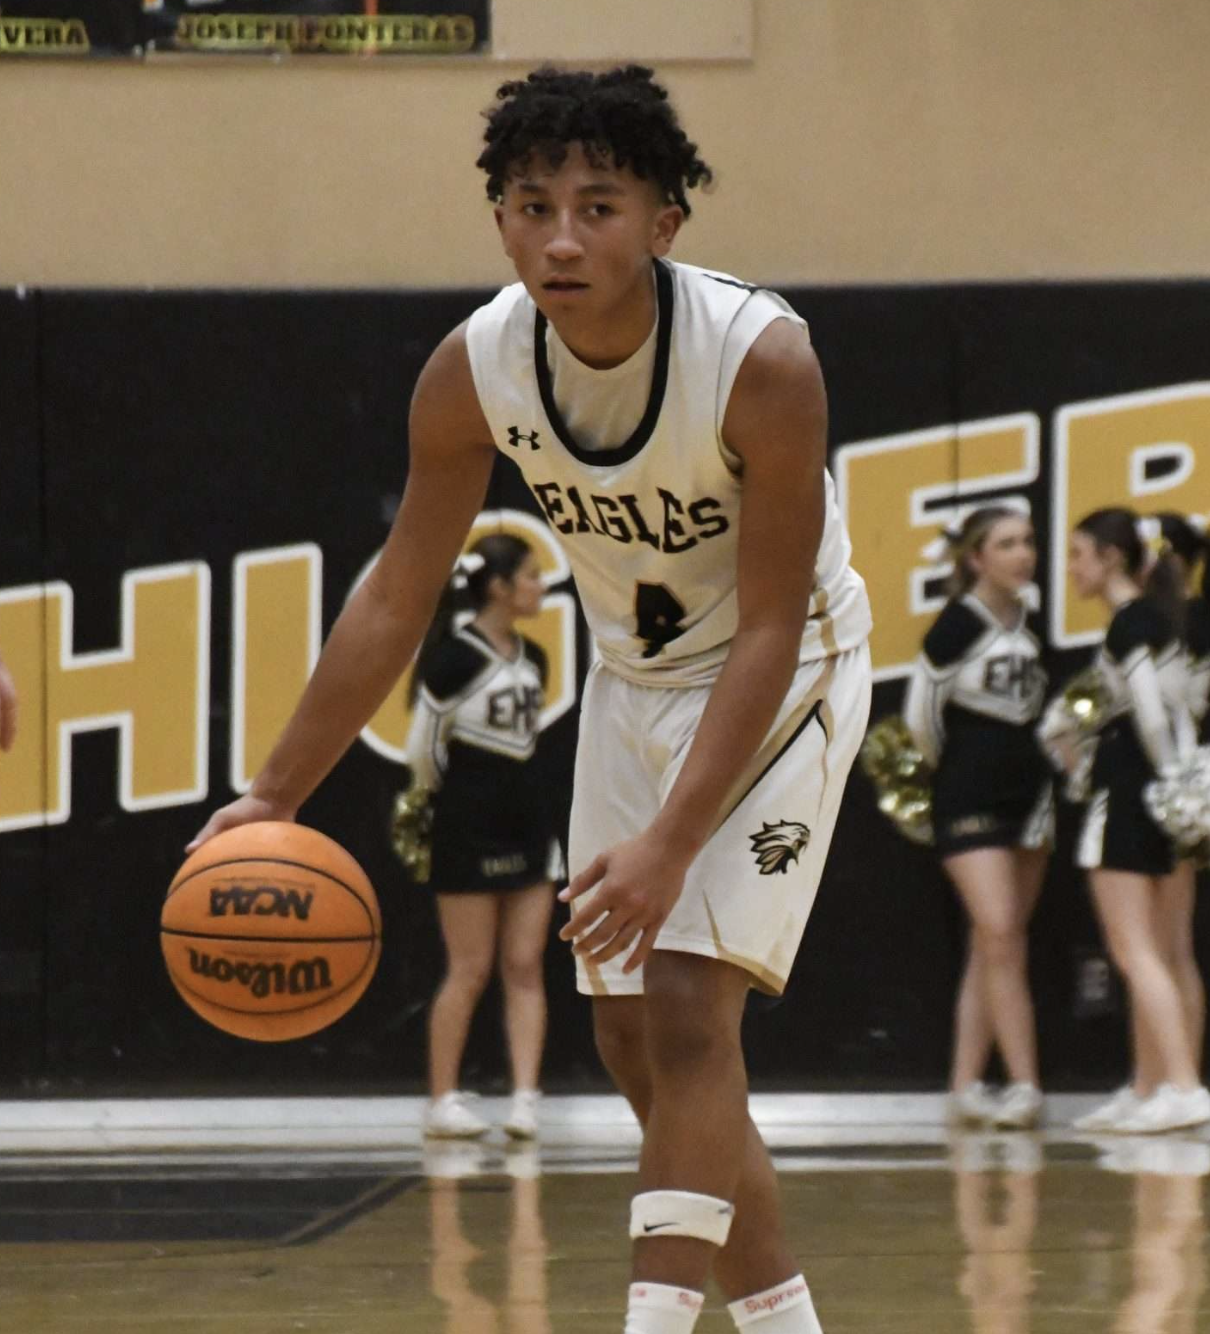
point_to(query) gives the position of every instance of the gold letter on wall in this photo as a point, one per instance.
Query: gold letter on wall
(1150, 451)
(275, 636)
(898, 492)
(154, 688)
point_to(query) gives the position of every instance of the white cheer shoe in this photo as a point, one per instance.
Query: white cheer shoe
(522, 1121)
(1019, 1107)
(450, 1117)
(972, 1105)
(1169, 1108)
(1110, 1116)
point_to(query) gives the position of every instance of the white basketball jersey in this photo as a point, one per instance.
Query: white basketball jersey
(651, 526)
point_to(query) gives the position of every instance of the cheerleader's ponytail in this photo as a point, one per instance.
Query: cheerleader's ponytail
(1186, 534)
(469, 590)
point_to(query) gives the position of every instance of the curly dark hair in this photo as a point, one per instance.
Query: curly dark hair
(622, 117)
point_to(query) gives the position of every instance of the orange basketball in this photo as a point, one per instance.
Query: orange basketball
(271, 931)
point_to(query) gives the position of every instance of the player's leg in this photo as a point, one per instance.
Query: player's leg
(468, 930)
(524, 924)
(737, 923)
(755, 1246)
(701, 1152)
(621, 1041)
(987, 883)
(693, 1007)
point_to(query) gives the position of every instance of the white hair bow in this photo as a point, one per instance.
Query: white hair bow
(471, 562)
(1149, 529)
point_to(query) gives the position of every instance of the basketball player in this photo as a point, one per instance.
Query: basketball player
(972, 703)
(8, 708)
(672, 424)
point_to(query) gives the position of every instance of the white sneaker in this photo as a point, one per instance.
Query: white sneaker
(1020, 1106)
(1169, 1108)
(449, 1117)
(972, 1105)
(1110, 1115)
(522, 1120)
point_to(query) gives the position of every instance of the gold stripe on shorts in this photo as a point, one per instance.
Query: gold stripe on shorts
(770, 752)
(762, 978)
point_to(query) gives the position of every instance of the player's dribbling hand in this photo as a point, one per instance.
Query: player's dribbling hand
(245, 810)
(638, 885)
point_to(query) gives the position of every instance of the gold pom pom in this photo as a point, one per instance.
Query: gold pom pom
(902, 778)
(1085, 699)
(411, 831)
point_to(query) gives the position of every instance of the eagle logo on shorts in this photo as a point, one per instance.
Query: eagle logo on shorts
(777, 845)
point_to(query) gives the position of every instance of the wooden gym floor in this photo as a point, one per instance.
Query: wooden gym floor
(901, 1228)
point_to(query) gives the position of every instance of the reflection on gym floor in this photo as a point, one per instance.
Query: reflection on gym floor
(986, 1234)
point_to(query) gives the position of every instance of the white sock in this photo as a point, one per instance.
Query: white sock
(784, 1309)
(656, 1308)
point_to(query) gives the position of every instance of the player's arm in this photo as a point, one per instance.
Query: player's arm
(383, 623)
(8, 708)
(776, 421)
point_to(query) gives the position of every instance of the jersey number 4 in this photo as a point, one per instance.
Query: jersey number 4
(658, 614)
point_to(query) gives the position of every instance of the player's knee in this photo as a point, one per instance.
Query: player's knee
(684, 1039)
(618, 1032)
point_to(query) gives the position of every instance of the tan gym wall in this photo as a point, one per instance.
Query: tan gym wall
(854, 141)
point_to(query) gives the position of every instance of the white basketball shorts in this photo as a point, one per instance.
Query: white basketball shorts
(750, 890)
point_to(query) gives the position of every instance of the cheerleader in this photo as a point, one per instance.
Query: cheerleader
(1130, 861)
(1187, 540)
(972, 701)
(478, 697)
(1186, 547)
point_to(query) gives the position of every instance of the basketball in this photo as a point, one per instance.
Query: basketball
(271, 931)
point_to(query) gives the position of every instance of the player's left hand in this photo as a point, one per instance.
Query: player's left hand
(638, 883)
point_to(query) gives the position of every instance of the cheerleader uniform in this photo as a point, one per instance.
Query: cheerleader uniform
(1197, 640)
(975, 693)
(474, 729)
(1147, 724)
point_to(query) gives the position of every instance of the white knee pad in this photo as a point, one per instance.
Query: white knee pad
(681, 1213)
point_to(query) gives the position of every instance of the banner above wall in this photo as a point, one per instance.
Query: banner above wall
(243, 27)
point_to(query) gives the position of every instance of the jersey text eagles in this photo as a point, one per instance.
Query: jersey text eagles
(675, 525)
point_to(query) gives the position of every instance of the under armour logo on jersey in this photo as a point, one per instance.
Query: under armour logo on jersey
(516, 435)
(777, 845)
